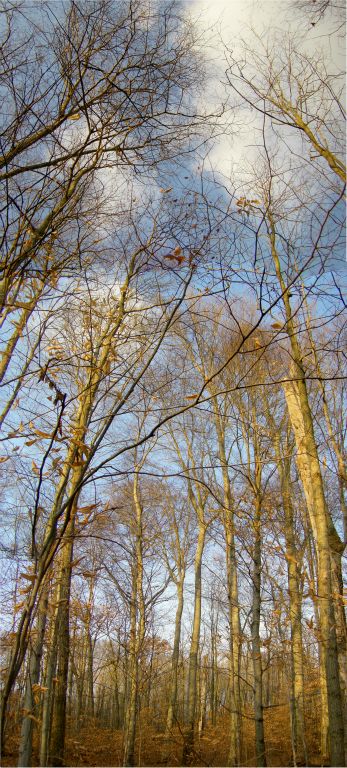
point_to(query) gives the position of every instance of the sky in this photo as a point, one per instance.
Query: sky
(230, 21)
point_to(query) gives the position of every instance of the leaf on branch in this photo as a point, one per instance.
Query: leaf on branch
(86, 510)
(75, 116)
(174, 257)
(290, 558)
(3, 459)
(35, 719)
(18, 606)
(45, 435)
(28, 576)
(35, 468)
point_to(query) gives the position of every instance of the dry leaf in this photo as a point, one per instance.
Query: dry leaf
(28, 576)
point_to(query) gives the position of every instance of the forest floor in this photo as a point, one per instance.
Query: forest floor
(92, 745)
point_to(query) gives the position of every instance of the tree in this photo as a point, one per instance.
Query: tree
(103, 87)
(175, 532)
(93, 359)
(173, 494)
(198, 497)
(287, 91)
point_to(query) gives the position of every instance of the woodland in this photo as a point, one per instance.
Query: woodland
(173, 507)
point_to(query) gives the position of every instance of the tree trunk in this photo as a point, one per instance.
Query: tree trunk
(327, 544)
(312, 568)
(137, 633)
(90, 651)
(341, 633)
(90, 675)
(326, 537)
(48, 695)
(188, 746)
(295, 614)
(57, 742)
(171, 713)
(214, 674)
(234, 756)
(203, 699)
(256, 651)
(33, 677)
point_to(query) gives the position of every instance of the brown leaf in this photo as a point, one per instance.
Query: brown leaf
(28, 576)
(39, 433)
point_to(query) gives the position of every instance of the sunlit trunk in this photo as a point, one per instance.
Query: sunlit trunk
(256, 646)
(295, 613)
(326, 538)
(188, 747)
(234, 756)
(171, 714)
(47, 704)
(57, 741)
(137, 632)
(32, 688)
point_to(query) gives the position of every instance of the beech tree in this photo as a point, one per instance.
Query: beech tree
(293, 91)
(173, 505)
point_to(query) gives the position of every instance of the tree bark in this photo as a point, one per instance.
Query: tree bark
(326, 537)
(214, 673)
(256, 650)
(295, 613)
(57, 741)
(171, 713)
(234, 755)
(137, 632)
(188, 746)
(33, 677)
(48, 695)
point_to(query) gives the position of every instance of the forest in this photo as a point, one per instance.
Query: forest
(173, 506)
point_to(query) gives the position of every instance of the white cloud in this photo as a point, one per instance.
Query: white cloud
(229, 23)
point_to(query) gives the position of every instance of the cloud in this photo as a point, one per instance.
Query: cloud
(230, 23)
